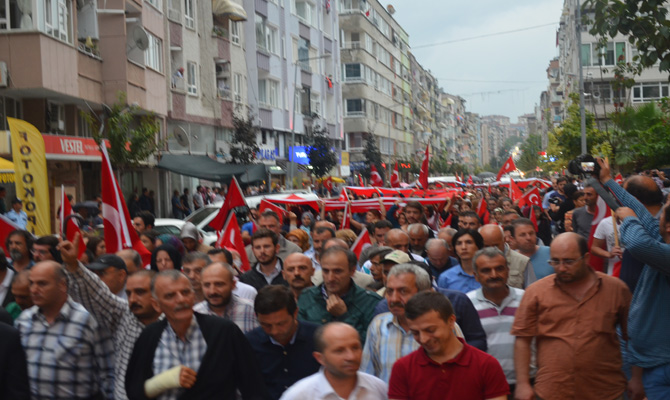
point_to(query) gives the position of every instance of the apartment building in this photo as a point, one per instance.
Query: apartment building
(293, 79)
(376, 81)
(425, 108)
(61, 58)
(597, 64)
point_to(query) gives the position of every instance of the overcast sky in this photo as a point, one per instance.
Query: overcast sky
(521, 57)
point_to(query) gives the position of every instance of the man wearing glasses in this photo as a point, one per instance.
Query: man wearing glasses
(573, 315)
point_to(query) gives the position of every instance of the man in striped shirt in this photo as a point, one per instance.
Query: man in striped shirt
(496, 304)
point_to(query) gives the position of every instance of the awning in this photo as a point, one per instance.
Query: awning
(204, 167)
(6, 171)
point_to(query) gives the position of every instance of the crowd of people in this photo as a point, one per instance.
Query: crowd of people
(442, 305)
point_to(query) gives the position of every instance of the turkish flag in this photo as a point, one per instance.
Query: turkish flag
(344, 196)
(266, 205)
(447, 222)
(328, 184)
(602, 211)
(234, 198)
(7, 227)
(532, 197)
(231, 238)
(423, 174)
(395, 178)
(360, 180)
(618, 179)
(514, 192)
(375, 178)
(470, 182)
(119, 231)
(533, 218)
(69, 227)
(361, 243)
(506, 168)
(346, 220)
(483, 211)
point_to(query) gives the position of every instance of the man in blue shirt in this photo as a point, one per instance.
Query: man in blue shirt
(283, 345)
(525, 236)
(17, 215)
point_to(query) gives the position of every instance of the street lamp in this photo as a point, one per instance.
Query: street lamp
(295, 93)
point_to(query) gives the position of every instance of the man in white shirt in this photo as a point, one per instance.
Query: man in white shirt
(612, 252)
(337, 347)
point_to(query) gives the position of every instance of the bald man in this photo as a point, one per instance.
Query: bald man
(218, 282)
(298, 271)
(521, 273)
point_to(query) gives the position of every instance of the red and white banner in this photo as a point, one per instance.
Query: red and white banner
(395, 178)
(296, 201)
(119, 231)
(266, 205)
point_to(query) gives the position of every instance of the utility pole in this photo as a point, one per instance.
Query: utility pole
(582, 112)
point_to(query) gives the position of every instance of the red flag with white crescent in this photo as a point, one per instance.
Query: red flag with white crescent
(506, 168)
(231, 237)
(514, 192)
(119, 231)
(361, 243)
(618, 179)
(343, 195)
(234, 198)
(360, 180)
(395, 178)
(423, 174)
(266, 205)
(328, 184)
(533, 217)
(532, 197)
(375, 178)
(482, 211)
(470, 182)
(70, 227)
(346, 220)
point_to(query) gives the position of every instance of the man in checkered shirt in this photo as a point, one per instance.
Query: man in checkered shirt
(69, 355)
(123, 319)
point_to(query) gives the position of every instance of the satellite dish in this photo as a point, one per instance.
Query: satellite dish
(596, 95)
(181, 136)
(140, 38)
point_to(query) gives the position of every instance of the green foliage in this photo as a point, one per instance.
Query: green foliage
(643, 135)
(645, 22)
(244, 147)
(530, 159)
(372, 157)
(321, 157)
(130, 132)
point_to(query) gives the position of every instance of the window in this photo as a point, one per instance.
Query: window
(192, 78)
(649, 91)
(609, 55)
(189, 14)
(234, 32)
(586, 55)
(237, 87)
(303, 54)
(55, 118)
(153, 56)
(353, 72)
(55, 18)
(271, 35)
(174, 10)
(315, 104)
(268, 93)
(306, 12)
(260, 33)
(354, 108)
(305, 102)
(155, 3)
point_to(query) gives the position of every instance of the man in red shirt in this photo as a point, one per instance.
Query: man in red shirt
(445, 365)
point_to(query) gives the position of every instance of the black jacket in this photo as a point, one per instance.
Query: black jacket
(257, 280)
(13, 370)
(229, 363)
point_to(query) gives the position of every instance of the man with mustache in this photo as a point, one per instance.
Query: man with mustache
(19, 243)
(218, 282)
(496, 303)
(189, 355)
(298, 271)
(123, 318)
(337, 347)
(266, 247)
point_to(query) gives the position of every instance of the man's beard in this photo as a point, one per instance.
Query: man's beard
(15, 255)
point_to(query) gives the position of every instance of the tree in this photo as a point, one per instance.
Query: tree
(244, 147)
(530, 159)
(644, 22)
(372, 157)
(320, 153)
(131, 133)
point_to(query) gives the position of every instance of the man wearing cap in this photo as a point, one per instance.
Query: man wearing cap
(112, 271)
(17, 215)
(124, 319)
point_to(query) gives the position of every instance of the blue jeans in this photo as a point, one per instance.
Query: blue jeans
(656, 382)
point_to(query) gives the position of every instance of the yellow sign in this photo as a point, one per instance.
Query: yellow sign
(30, 167)
(345, 158)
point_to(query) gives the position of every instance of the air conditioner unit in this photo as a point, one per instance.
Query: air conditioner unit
(223, 70)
